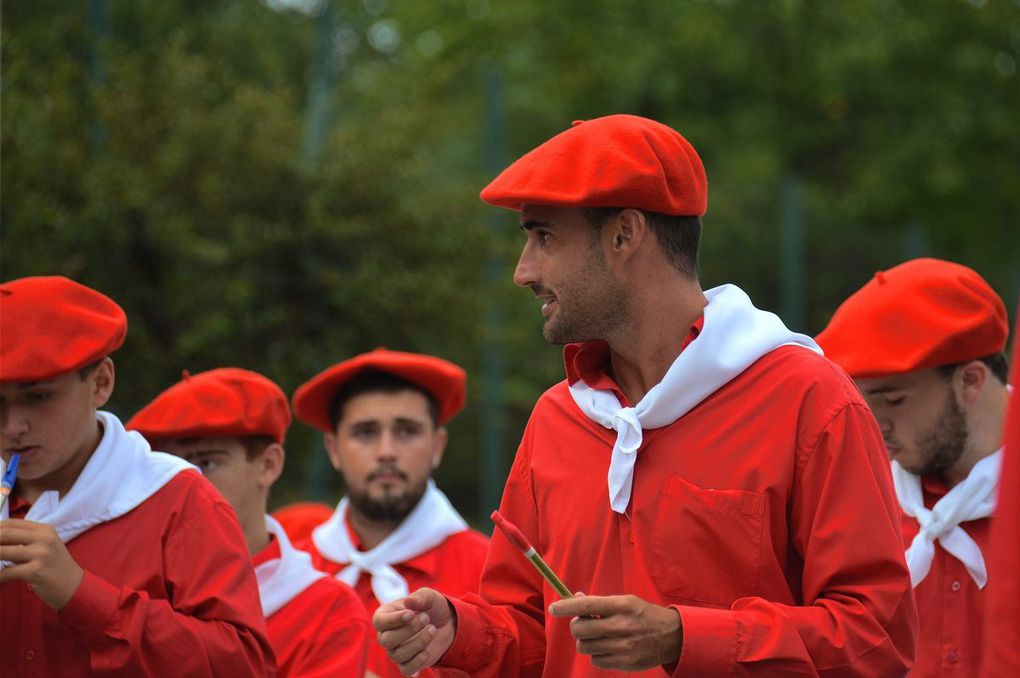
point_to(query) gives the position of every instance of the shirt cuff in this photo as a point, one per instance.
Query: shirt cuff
(92, 608)
(711, 641)
(469, 651)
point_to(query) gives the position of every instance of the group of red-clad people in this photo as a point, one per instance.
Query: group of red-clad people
(726, 496)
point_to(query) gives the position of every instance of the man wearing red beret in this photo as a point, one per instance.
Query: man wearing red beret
(115, 560)
(383, 416)
(747, 528)
(924, 341)
(231, 423)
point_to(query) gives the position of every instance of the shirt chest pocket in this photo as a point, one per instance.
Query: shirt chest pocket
(708, 543)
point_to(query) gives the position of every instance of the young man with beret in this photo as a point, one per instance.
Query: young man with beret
(924, 341)
(115, 560)
(383, 416)
(231, 423)
(746, 529)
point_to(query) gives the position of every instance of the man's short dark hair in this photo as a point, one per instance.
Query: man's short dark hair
(375, 381)
(679, 237)
(84, 372)
(255, 445)
(997, 364)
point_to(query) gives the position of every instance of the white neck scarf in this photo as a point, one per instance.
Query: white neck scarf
(426, 527)
(282, 579)
(734, 335)
(969, 500)
(121, 474)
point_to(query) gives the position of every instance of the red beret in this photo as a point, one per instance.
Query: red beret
(923, 313)
(52, 326)
(445, 381)
(615, 161)
(224, 402)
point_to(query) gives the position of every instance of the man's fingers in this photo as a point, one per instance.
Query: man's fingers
(16, 553)
(384, 620)
(414, 645)
(397, 636)
(584, 606)
(421, 600)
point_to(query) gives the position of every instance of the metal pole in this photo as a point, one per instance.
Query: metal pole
(791, 253)
(493, 358)
(320, 94)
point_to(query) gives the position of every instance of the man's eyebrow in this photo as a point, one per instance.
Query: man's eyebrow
(531, 223)
(878, 390)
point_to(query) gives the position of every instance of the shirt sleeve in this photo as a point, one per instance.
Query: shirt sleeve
(504, 637)
(337, 647)
(858, 613)
(210, 624)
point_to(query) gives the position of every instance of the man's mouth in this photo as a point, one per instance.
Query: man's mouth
(389, 475)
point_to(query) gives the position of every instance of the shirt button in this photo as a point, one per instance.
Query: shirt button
(952, 656)
(955, 586)
(30, 655)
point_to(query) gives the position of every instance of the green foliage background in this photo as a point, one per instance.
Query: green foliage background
(164, 152)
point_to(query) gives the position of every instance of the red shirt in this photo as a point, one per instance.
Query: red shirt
(453, 568)
(322, 633)
(950, 606)
(168, 587)
(765, 515)
(1002, 610)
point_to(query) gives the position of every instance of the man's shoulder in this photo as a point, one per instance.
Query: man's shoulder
(468, 541)
(329, 593)
(795, 368)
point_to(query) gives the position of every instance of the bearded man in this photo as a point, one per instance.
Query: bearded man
(382, 415)
(924, 341)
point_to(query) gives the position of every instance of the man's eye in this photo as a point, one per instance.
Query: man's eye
(206, 464)
(894, 401)
(37, 396)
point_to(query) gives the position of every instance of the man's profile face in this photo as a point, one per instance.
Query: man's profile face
(52, 423)
(563, 263)
(224, 461)
(922, 424)
(386, 446)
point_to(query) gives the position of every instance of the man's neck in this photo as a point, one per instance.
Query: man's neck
(985, 424)
(255, 532)
(370, 532)
(646, 349)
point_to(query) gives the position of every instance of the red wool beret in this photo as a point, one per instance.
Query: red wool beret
(52, 326)
(615, 161)
(445, 381)
(923, 313)
(223, 402)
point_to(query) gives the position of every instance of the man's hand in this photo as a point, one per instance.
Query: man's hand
(622, 632)
(417, 630)
(40, 559)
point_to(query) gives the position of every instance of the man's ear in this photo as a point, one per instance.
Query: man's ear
(332, 445)
(971, 379)
(271, 461)
(439, 446)
(101, 381)
(628, 229)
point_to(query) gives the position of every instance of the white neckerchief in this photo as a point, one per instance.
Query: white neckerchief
(733, 336)
(282, 579)
(121, 474)
(426, 527)
(969, 500)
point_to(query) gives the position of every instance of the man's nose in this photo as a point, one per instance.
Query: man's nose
(524, 274)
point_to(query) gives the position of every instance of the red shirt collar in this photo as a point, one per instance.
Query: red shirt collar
(590, 361)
